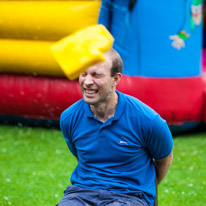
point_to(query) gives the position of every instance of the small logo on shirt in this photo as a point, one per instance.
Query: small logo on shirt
(123, 142)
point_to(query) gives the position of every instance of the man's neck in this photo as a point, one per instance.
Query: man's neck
(105, 111)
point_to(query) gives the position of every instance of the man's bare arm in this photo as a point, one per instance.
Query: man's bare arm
(162, 167)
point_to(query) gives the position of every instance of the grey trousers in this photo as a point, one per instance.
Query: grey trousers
(77, 196)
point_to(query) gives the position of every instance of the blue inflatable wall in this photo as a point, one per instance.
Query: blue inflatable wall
(156, 38)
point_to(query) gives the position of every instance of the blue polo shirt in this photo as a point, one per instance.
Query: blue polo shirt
(116, 155)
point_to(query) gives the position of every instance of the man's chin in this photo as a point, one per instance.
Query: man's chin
(90, 101)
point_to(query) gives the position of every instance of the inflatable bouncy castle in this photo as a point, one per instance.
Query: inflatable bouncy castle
(160, 43)
(32, 85)
(161, 46)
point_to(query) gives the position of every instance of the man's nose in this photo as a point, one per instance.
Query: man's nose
(88, 79)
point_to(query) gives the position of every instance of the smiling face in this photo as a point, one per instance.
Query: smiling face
(97, 84)
(196, 13)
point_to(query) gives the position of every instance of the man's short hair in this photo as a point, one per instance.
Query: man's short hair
(117, 64)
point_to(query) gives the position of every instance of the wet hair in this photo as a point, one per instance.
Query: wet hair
(117, 64)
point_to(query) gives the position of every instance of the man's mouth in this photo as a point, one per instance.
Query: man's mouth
(90, 91)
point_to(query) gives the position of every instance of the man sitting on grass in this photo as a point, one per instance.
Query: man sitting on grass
(121, 144)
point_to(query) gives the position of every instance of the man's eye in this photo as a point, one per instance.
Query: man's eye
(83, 74)
(97, 75)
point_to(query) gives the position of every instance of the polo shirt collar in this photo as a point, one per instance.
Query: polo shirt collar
(120, 106)
(119, 109)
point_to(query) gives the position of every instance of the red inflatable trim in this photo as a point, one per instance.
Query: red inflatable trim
(36, 97)
(177, 100)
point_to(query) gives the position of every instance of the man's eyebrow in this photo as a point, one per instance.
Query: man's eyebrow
(84, 72)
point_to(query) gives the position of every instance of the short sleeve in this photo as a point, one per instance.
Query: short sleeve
(159, 142)
(66, 130)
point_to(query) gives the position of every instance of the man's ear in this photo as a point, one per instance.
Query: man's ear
(117, 78)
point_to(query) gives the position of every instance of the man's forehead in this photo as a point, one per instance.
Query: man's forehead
(96, 68)
(101, 65)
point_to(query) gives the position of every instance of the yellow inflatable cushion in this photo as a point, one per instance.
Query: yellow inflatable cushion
(46, 20)
(76, 52)
(28, 57)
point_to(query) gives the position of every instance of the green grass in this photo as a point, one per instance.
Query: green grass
(35, 166)
(185, 183)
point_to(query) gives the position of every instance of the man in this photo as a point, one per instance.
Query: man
(122, 146)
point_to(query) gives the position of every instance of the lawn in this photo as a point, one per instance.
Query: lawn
(35, 166)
